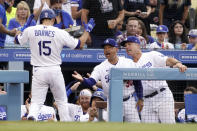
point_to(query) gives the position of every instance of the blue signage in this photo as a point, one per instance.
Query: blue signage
(89, 55)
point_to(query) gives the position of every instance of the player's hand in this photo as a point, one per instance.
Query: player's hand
(182, 68)
(140, 104)
(90, 25)
(75, 86)
(77, 76)
(92, 111)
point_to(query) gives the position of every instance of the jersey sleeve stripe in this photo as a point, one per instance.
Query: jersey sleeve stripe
(16, 39)
(78, 45)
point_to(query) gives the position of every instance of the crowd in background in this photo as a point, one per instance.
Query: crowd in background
(113, 18)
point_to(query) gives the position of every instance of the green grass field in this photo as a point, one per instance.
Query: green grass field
(59, 126)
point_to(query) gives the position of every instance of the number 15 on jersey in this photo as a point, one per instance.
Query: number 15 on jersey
(44, 48)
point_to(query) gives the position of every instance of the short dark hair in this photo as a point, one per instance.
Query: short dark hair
(192, 89)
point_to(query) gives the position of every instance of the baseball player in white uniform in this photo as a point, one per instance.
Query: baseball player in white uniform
(46, 43)
(158, 99)
(79, 113)
(161, 33)
(101, 72)
(46, 113)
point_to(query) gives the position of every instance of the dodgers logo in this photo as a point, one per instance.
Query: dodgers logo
(76, 118)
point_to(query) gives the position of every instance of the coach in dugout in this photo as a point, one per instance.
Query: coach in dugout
(158, 99)
(3, 21)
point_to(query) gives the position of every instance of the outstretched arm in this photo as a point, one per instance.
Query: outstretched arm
(88, 82)
(172, 62)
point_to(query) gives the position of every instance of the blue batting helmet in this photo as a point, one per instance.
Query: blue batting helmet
(47, 14)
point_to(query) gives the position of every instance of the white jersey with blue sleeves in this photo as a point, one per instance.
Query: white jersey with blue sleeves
(46, 43)
(102, 72)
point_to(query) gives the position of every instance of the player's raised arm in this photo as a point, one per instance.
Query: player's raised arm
(88, 28)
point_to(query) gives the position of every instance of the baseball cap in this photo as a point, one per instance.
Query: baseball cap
(110, 42)
(162, 29)
(85, 92)
(47, 14)
(132, 39)
(193, 33)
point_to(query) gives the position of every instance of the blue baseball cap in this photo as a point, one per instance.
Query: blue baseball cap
(132, 39)
(162, 29)
(193, 33)
(110, 42)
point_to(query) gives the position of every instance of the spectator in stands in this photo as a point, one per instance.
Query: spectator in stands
(178, 35)
(76, 9)
(192, 40)
(63, 19)
(140, 9)
(3, 21)
(66, 6)
(182, 118)
(172, 10)
(161, 42)
(22, 14)
(11, 11)
(154, 16)
(132, 29)
(38, 3)
(142, 32)
(107, 14)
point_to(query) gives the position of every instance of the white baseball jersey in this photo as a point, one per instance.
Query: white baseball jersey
(157, 45)
(160, 107)
(152, 59)
(102, 72)
(45, 113)
(45, 50)
(76, 113)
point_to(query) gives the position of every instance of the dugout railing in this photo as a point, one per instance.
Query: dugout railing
(117, 76)
(12, 99)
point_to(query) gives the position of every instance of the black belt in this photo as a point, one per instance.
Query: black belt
(155, 93)
(125, 99)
